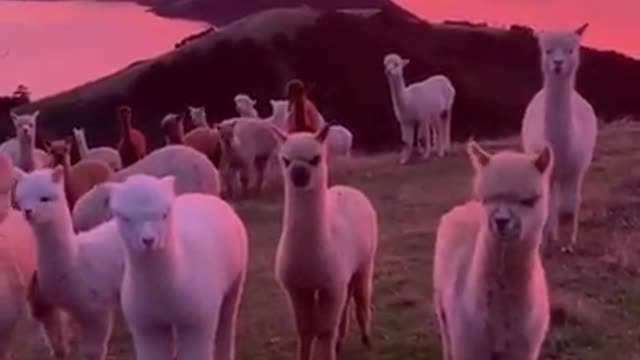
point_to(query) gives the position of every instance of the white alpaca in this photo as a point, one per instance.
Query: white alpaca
(326, 253)
(193, 171)
(104, 153)
(420, 108)
(490, 291)
(17, 270)
(22, 148)
(245, 106)
(198, 116)
(558, 116)
(80, 273)
(248, 144)
(279, 113)
(185, 266)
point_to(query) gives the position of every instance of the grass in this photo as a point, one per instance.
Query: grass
(595, 293)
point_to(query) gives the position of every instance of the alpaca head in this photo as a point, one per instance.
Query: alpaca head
(245, 105)
(92, 208)
(513, 189)
(173, 127)
(60, 150)
(142, 209)
(394, 65)
(40, 195)
(302, 157)
(78, 134)
(198, 116)
(227, 133)
(560, 52)
(279, 107)
(25, 126)
(124, 114)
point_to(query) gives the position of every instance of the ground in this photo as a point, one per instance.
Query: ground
(595, 293)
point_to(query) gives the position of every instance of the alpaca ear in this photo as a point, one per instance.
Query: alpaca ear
(322, 134)
(580, 31)
(18, 174)
(168, 183)
(57, 174)
(280, 135)
(544, 160)
(479, 157)
(35, 114)
(253, 102)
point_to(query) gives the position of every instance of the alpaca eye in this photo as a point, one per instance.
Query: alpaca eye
(548, 51)
(286, 161)
(165, 215)
(315, 160)
(529, 202)
(45, 199)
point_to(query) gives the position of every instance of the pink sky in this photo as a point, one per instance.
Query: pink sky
(58, 45)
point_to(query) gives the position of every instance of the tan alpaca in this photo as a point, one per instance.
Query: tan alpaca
(325, 256)
(490, 291)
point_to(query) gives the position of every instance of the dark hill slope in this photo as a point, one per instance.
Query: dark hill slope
(495, 72)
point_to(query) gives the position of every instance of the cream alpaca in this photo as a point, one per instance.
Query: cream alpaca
(185, 265)
(557, 115)
(245, 106)
(325, 256)
(420, 108)
(17, 269)
(22, 148)
(103, 153)
(78, 273)
(248, 144)
(490, 291)
(194, 173)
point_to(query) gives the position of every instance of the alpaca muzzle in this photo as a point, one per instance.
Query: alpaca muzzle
(300, 176)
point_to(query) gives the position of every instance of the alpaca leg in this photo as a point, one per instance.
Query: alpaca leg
(196, 343)
(362, 292)
(344, 320)
(304, 311)
(152, 342)
(446, 118)
(95, 329)
(244, 180)
(551, 225)
(425, 131)
(331, 303)
(226, 332)
(568, 209)
(441, 136)
(53, 320)
(444, 329)
(260, 164)
(407, 132)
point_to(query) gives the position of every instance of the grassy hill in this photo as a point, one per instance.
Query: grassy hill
(495, 73)
(595, 293)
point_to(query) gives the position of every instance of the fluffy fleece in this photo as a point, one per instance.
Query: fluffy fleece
(22, 149)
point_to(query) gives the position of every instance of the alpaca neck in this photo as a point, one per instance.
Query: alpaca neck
(503, 265)
(305, 217)
(57, 250)
(83, 149)
(558, 112)
(397, 87)
(161, 269)
(68, 186)
(26, 159)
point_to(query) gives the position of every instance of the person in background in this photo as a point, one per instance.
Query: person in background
(303, 114)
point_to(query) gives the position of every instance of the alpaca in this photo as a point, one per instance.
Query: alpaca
(339, 141)
(204, 138)
(79, 273)
(557, 115)
(185, 266)
(17, 270)
(248, 145)
(245, 106)
(82, 176)
(194, 173)
(133, 145)
(21, 148)
(104, 153)
(490, 291)
(325, 256)
(173, 129)
(420, 108)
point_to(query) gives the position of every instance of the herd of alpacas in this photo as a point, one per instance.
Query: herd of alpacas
(151, 232)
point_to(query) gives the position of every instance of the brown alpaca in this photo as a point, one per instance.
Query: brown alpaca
(133, 145)
(80, 177)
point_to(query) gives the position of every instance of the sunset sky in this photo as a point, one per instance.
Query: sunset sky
(57, 45)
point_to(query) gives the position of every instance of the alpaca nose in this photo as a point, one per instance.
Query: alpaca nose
(148, 241)
(501, 224)
(300, 176)
(27, 213)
